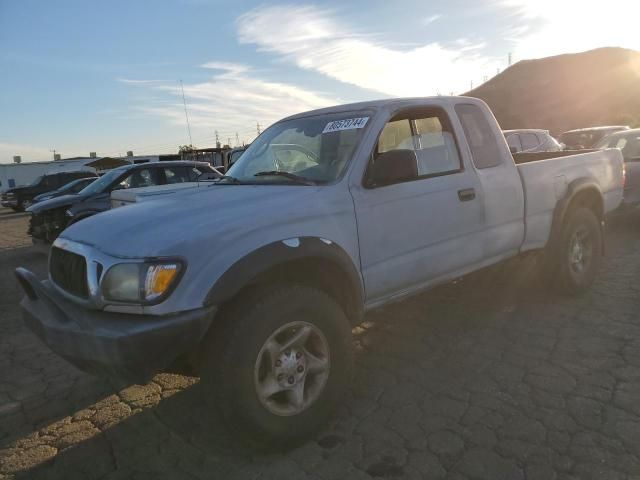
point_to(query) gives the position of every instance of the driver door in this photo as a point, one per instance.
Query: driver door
(419, 230)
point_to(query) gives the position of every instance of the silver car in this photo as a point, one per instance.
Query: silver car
(531, 141)
(628, 141)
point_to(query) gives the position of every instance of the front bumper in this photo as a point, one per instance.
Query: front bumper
(126, 347)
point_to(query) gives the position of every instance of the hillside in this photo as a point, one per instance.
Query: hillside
(567, 91)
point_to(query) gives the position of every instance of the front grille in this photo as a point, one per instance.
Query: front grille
(69, 271)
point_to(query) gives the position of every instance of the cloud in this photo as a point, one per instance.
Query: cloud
(233, 100)
(27, 152)
(432, 18)
(572, 26)
(315, 39)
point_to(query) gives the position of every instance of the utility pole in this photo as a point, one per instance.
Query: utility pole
(54, 153)
(186, 115)
(510, 58)
(217, 140)
(228, 141)
(485, 79)
(258, 127)
(471, 85)
(237, 140)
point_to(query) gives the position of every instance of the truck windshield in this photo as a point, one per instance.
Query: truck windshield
(315, 148)
(102, 183)
(36, 181)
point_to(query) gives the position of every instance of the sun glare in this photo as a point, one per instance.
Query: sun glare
(573, 26)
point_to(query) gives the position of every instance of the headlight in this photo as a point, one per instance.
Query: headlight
(140, 282)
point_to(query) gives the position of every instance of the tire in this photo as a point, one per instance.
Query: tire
(579, 253)
(79, 218)
(242, 363)
(24, 204)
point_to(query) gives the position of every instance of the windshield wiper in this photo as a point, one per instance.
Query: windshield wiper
(291, 176)
(229, 178)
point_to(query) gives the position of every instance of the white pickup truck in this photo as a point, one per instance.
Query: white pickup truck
(327, 215)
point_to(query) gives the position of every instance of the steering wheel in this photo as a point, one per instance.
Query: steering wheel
(290, 147)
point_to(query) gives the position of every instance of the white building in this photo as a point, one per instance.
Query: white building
(20, 174)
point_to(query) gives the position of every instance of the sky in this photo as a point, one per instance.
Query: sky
(91, 75)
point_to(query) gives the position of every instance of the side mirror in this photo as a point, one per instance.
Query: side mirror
(394, 166)
(513, 150)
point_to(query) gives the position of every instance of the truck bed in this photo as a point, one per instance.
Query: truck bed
(524, 157)
(546, 180)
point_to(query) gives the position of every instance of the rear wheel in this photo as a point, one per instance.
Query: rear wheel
(579, 254)
(281, 367)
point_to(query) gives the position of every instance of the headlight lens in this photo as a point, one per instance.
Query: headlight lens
(122, 283)
(140, 282)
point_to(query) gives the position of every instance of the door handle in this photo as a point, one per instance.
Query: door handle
(467, 194)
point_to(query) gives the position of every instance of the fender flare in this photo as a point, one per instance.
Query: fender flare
(248, 268)
(574, 188)
(83, 215)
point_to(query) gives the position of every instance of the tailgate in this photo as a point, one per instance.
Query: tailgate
(546, 182)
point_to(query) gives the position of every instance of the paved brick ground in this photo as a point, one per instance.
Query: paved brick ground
(485, 379)
(13, 232)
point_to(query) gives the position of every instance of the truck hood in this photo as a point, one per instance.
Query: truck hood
(16, 190)
(191, 219)
(56, 202)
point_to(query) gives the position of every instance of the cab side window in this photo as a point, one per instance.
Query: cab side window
(529, 141)
(176, 174)
(429, 134)
(142, 177)
(480, 137)
(513, 141)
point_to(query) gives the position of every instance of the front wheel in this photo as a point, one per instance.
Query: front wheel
(281, 367)
(580, 252)
(24, 204)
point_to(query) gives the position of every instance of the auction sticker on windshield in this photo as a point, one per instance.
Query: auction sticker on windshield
(346, 124)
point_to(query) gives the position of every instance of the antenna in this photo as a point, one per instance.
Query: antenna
(186, 115)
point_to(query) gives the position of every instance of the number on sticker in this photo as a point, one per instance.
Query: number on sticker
(346, 124)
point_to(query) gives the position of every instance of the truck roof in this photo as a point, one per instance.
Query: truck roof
(525, 130)
(389, 104)
(604, 127)
(622, 133)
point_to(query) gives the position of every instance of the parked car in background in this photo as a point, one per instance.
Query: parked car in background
(531, 141)
(121, 198)
(235, 154)
(50, 217)
(585, 138)
(628, 141)
(21, 198)
(255, 282)
(68, 189)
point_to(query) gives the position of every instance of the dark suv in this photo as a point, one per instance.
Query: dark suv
(21, 198)
(50, 217)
